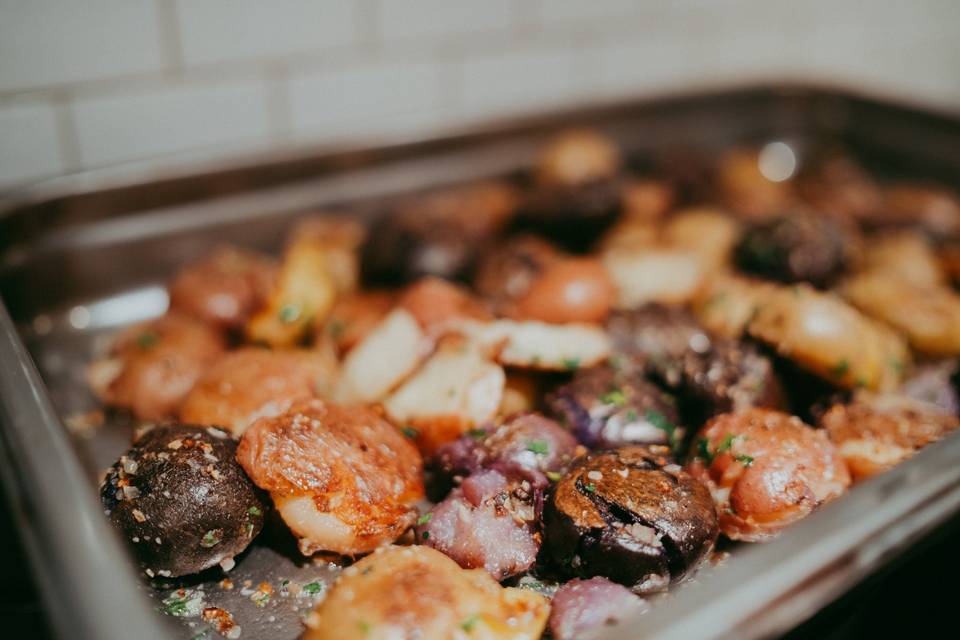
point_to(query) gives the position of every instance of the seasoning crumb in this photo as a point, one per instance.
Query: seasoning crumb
(138, 515)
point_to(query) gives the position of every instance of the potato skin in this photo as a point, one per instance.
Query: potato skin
(349, 462)
(179, 496)
(417, 592)
(506, 273)
(249, 382)
(155, 364)
(225, 288)
(571, 290)
(876, 432)
(630, 515)
(766, 470)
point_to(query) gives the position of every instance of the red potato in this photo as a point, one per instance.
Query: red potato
(435, 303)
(152, 366)
(225, 288)
(343, 479)
(571, 290)
(766, 470)
(251, 382)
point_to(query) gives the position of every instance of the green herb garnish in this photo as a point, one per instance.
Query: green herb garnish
(289, 313)
(424, 519)
(615, 397)
(538, 447)
(590, 487)
(254, 511)
(632, 415)
(312, 588)
(477, 434)
(468, 624)
(571, 364)
(553, 476)
(663, 423)
(726, 443)
(410, 432)
(426, 535)
(211, 538)
(744, 459)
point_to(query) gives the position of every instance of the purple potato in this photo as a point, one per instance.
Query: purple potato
(182, 500)
(631, 515)
(582, 607)
(608, 408)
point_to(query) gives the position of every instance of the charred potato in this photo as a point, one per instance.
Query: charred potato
(437, 234)
(630, 515)
(799, 247)
(180, 498)
(417, 592)
(766, 470)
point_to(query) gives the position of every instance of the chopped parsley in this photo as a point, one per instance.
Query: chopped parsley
(426, 535)
(571, 364)
(147, 339)
(590, 487)
(477, 434)
(615, 397)
(364, 627)
(841, 368)
(538, 447)
(312, 588)
(726, 443)
(182, 603)
(553, 476)
(632, 415)
(703, 450)
(663, 423)
(744, 459)
(211, 538)
(468, 624)
(410, 432)
(248, 529)
(289, 313)
(254, 511)
(424, 519)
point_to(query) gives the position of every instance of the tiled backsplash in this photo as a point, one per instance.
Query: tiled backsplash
(92, 84)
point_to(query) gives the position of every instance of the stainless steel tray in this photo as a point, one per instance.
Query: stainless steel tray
(83, 255)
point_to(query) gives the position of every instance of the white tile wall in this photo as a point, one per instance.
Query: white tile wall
(44, 42)
(163, 121)
(29, 148)
(87, 85)
(250, 30)
(350, 102)
(443, 18)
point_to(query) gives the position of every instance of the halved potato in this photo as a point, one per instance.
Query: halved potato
(726, 302)
(455, 390)
(707, 232)
(385, 357)
(828, 337)
(539, 345)
(929, 316)
(669, 276)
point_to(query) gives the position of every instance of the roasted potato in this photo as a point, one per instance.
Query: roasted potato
(251, 382)
(343, 479)
(766, 470)
(152, 366)
(417, 592)
(630, 515)
(182, 501)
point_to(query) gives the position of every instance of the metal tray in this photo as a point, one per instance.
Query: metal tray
(83, 255)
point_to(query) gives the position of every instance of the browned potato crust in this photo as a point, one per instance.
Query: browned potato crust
(251, 382)
(876, 432)
(417, 592)
(356, 471)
